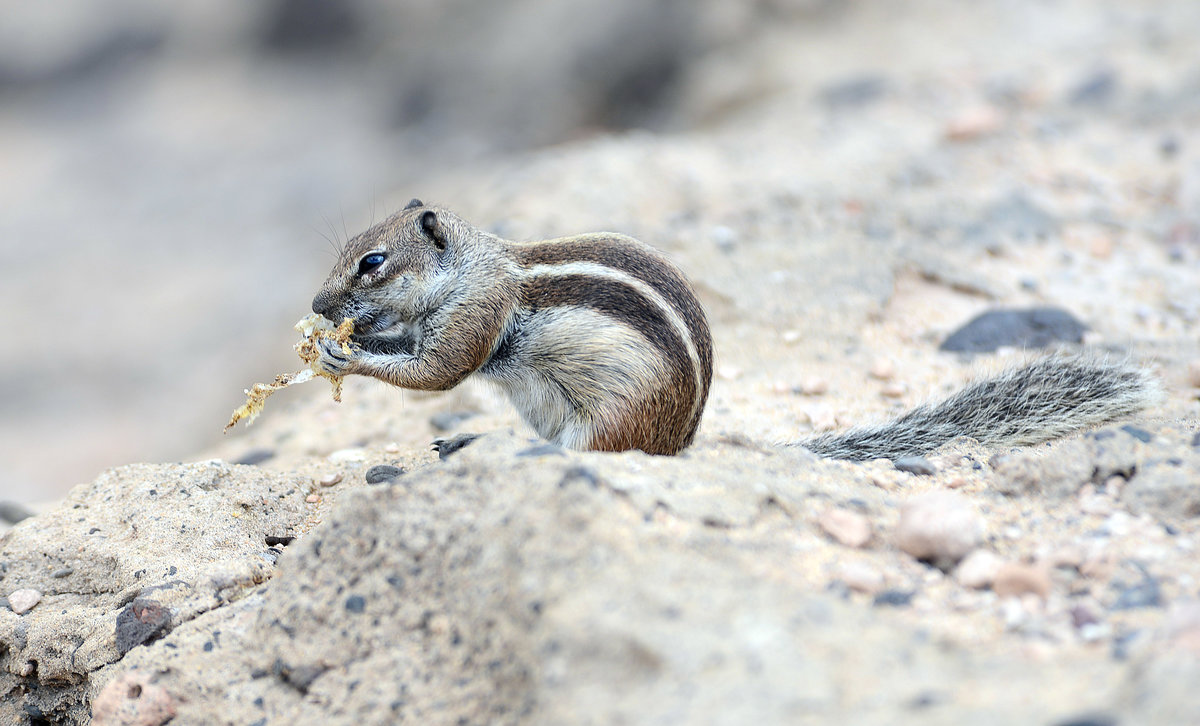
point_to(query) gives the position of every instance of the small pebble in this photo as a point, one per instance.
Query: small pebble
(347, 456)
(255, 457)
(978, 569)
(356, 603)
(883, 369)
(1082, 615)
(1145, 594)
(861, 577)
(941, 527)
(1095, 632)
(141, 621)
(918, 465)
(12, 512)
(62, 572)
(883, 481)
(1014, 579)
(894, 598)
(313, 498)
(791, 336)
(22, 601)
(1139, 434)
(893, 390)
(725, 238)
(814, 386)
(383, 473)
(1029, 328)
(729, 373)
(546, 449)
(1097, 566)
(973, 124)
(1193, 374)
(1091, 719)
(133, 698)
(330, 479)
(823, 420)
(1099, 504)
(1101, 247)
(846, 527)
(438, 624)
(447, 420)
(1067, 556)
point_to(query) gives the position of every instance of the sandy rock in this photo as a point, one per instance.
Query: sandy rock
(1014, 580)
(861, 577)
(22, 601)
(1165, 488)
(978, 570)
(147, 548)
(940, 526)
(846, 527)
(1035, 473)
(973, 124)
(133, 700)
(1182, 628)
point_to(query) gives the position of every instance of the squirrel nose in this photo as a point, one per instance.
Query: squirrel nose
(323, 304)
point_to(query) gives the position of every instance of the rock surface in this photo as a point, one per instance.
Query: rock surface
(845, 183)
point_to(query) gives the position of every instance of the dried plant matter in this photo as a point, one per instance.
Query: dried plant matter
(313, 328)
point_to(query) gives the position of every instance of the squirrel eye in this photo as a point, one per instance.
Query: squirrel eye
(371, 262)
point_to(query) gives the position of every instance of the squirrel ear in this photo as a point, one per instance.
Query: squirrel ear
(429, 225)
(414, 203)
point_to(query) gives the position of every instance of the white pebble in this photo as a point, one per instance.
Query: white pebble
(22, 601)
(978, 569)
(883, 369)
(347, 456)
(941, 526)
(848, 528)
(861, 577)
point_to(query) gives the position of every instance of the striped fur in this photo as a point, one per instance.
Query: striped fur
(597, 340)
(1044, 400)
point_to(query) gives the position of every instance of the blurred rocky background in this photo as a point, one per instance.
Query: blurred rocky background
(846, 183)
(173, 176)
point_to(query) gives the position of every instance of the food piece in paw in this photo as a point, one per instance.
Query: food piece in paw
(314, 328)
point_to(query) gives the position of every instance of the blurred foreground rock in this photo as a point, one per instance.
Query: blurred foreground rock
(508, 584)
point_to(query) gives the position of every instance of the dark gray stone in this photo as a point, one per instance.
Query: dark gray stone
(447, 420)
(383, 474)
(854, 92)
(12, 512)
(141, 621)
(918, 465)
(1095, 89)
(255, 457)
(894, 598)
(1031, 328)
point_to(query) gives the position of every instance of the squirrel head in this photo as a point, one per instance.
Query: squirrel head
(398, 270)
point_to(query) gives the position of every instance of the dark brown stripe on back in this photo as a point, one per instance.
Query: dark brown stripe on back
(622, 302)
(640, 262)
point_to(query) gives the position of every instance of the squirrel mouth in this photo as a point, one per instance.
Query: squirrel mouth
(378, 325)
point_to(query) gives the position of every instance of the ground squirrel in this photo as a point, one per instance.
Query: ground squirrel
(597, 339)
(600, 343)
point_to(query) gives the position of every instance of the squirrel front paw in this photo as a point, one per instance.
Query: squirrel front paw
(334, 359)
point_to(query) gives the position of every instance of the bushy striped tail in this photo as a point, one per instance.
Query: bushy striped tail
(1044, 400)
